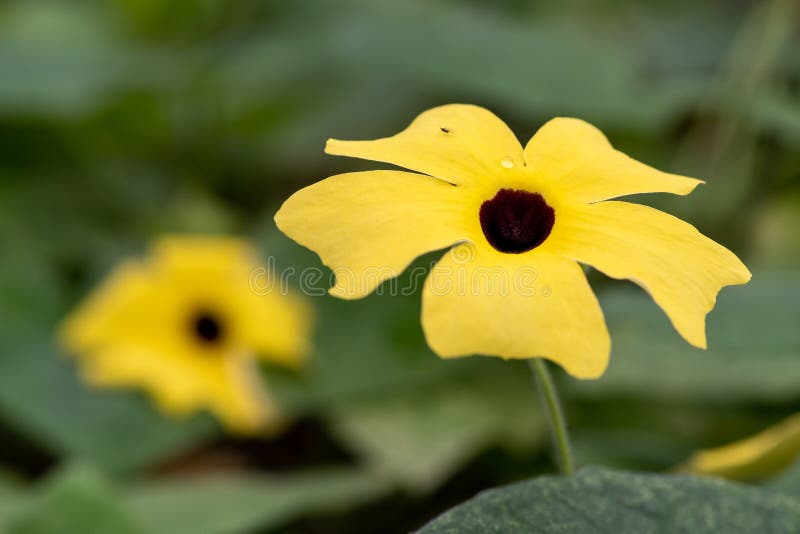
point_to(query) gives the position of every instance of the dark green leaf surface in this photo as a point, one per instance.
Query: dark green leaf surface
(601, 501)
(787, 482)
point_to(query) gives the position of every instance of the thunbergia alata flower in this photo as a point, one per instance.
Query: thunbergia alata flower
(185, 326)
(519, 221)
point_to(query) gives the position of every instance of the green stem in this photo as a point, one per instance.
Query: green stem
(555, 416)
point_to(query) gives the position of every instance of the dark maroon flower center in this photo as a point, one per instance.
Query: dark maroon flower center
(207, 327)
(516, 221)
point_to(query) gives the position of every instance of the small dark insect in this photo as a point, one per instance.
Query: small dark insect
(445, 130)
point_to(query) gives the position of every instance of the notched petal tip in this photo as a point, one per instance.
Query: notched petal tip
(357, 148)
(744, 275)
(740, 275)
(587, 372)
(337, 147)
(281, 219)
(698, 338)
(689, 184)
(699, 341)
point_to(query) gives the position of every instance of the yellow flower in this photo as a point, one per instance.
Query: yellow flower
(185, 325)
(520, 220)
(752, 458)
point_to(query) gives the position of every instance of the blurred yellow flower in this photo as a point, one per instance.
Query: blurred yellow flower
(752, 458)
(520, 220)
(185, 325)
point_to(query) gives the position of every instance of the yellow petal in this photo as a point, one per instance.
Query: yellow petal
(681, 269)
(458, 143)
(478, 301)
(113, 311)
(182, 383)
(752, 458)
(175, 384)
(202, 254)
(277, 327)
(579, 158)
(369, 226)
(239, 400)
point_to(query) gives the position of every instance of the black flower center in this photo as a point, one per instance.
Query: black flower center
(516, 221)
(207, 327)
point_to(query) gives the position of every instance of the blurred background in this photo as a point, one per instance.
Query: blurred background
(122, 120)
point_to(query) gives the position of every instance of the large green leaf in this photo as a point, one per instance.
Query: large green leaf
(604, 501)
(753, 340)
(787, 482)
(235, 503)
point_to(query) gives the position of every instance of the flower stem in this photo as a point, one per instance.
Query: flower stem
(555, 416)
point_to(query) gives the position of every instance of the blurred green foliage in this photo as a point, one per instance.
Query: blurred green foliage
(125, 119)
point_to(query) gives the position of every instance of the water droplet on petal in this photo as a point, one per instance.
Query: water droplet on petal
(507, 162)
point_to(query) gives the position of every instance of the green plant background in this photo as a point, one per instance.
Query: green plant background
(121, 120)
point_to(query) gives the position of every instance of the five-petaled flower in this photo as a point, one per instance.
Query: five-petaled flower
(185, 326)
(504, 209)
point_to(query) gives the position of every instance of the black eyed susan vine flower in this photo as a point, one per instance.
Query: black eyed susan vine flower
(185, 326)
(532, 214)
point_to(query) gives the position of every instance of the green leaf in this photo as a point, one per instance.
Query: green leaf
(787, 482)
(601, 500)
(752, 332)
(75, 500)
(423, 436)
(227, 504)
